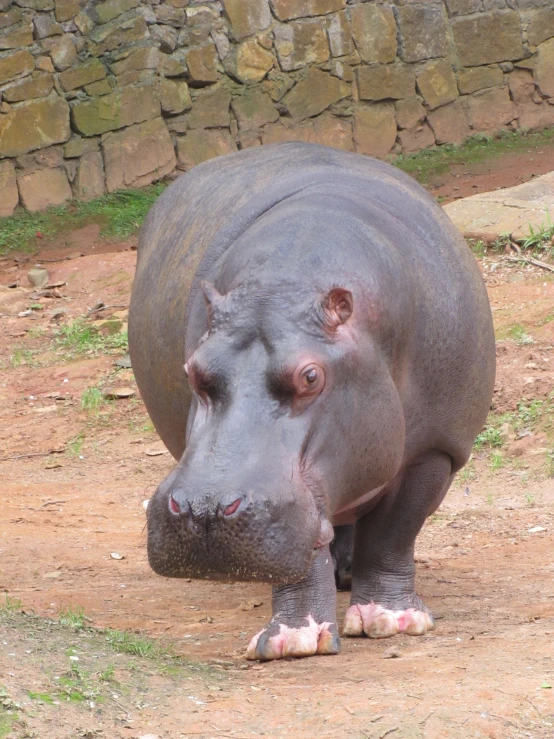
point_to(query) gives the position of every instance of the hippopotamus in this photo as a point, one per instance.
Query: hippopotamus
(313, 342)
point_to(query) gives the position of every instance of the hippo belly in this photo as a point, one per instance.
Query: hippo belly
(313, 342)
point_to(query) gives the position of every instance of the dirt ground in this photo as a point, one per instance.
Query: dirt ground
(73, 483)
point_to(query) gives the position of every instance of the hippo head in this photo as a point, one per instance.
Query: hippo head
(276, 387)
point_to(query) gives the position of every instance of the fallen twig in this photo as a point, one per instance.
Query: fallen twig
(32, 454)
(527, 260)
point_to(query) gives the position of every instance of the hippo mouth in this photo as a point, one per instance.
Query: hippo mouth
(240, 541)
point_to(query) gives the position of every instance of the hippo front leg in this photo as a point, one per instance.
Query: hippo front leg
(304, 619)
(384, 601)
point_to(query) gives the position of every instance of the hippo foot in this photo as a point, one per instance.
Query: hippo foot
(279, 640)
(378, 622)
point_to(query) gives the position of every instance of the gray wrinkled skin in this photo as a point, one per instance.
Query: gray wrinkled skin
(253, 266)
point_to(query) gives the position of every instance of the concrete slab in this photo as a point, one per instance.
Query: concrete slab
(510, 210)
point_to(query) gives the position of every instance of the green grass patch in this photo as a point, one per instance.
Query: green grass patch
(92, 399)
(73, 618)
(540, 237)
(516, 332)
(78, 338)
(423, 165)
(527, 418)
(126, 642)
(119, 214)
(8, 713)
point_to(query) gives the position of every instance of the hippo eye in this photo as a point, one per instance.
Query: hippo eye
(309, 380)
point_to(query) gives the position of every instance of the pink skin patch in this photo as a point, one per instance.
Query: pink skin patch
(303, 642)
(378, 622)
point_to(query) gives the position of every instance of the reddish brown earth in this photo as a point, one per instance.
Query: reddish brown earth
(485, 560)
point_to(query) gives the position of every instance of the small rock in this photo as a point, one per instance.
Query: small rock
(155, 452)
(124, 361)
(53, 465)
(119, 392)
(149, 736)
(115, 555)
(145, 503)
(536, 530)
(38, 276)
(391, 653)
(249, 605)
(52, 575)
(24, 313)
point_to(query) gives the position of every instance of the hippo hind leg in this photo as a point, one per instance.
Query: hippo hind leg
(304, 619)
(341, 552)
(383, 601)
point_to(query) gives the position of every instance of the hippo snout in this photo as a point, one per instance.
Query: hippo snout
(233, 535)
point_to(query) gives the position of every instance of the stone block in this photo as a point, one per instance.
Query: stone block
(111, 9)
(202, 65)
(254, 109)
(95, 89)
(301, 43)
(166, 37)
(44, 64)
(490, 110)
(43, 189)
(409, 112)
(277, 84)
(374, 32)
(314, 94)
(34, 125)
(8, 188)
(110, 112)
(449, 123)
(339, 33)
(5, 5)
(78, 147)
(252, 61)
(116, 34)
(45, 27)
(64, 54)
(247, 17)
(463, 7)
(10, 18)
(394, 81)
(541, 26)
(423, 32)
(437, 84)
(478, 78)
(178, 124)
(174, 96)
(275, 133)
(147, 57)
(533, 117)
(374, 129)
(522, 86)
(171, 16)
(82, 75)
(15, 65)
(332, 131)
(16, 39)
(138, 156)
(211, 110)
(29, 89)
(199, 146)
(41, 5)
(286, 10)
(486, 38)
(416, 139)
(66, 10)
(544, 68)
(89, 180)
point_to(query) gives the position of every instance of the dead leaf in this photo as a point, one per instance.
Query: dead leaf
(156, 452)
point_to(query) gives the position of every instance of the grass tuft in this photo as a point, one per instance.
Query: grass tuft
(78, 337)
(423, 165)
(119, 214)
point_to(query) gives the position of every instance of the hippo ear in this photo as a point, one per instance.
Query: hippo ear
(337, 307)
(212, 296)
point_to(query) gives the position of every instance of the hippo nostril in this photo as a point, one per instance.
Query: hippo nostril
(174, 506)
(232, 507)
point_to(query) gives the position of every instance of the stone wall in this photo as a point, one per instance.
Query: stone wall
(99, 96)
